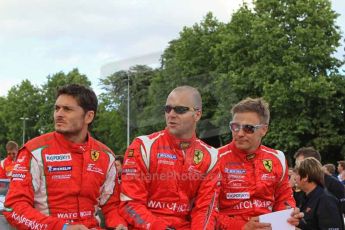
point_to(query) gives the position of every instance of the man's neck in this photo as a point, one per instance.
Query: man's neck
(77, 139)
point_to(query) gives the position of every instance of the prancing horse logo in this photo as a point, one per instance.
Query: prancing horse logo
(268, 165)
(198, 155)
(94, 155)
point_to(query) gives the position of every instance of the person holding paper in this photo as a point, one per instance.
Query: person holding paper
(322, 210)
(254, 177)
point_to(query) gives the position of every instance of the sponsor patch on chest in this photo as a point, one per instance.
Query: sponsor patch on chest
(18, 176)
(58, 157)
(167, 156)
(235, 171)
(238, 196)
(268, 177)
(59, 168)
(94, 168)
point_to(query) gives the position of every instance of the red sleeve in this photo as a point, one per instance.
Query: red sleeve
(2, 170)
(204, 213)
(134, 189)
(283, 194)
(111, 208)
(19, 203)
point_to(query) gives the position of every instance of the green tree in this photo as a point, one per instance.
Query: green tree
(283, 51)
(115, 100)
(23, 100)
(109, 127)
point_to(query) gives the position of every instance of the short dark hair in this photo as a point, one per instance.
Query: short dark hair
(85, 96)
(308, 152)
(255, 105)
(119, 158)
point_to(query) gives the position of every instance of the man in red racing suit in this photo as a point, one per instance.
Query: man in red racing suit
(254, 177)
(169, 179)
(252, 184)
(7, 164)
(58, 183)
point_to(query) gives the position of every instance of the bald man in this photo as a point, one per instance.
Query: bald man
(169, 178)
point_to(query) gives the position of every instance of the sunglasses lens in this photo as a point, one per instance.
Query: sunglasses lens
(235, 127)
(181, 109)
(249, 128)
(177, 109)
(168, 108)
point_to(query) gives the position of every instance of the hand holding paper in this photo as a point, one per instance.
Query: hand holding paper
(278, 220)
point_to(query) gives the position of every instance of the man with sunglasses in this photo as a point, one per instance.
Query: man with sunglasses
(170, 178)
(254, 177)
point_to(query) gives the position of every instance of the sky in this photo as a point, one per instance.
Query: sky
(39, 38)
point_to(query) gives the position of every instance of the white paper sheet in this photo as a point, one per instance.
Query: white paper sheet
(278, 219)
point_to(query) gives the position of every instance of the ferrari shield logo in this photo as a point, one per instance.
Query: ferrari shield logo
(198, 155)
(268, 165)
(94, 155)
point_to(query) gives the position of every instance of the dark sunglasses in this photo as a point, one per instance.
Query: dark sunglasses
(235, 127)
(178, 109)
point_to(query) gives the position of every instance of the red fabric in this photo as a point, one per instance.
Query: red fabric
(248, 188)
(56, 182)
(6, 167)
(169, 182)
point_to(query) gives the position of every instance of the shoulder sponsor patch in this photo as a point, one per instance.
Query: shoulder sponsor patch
(58, 157)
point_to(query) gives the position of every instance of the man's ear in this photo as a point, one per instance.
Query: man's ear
(89, 116)
(197, 115)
